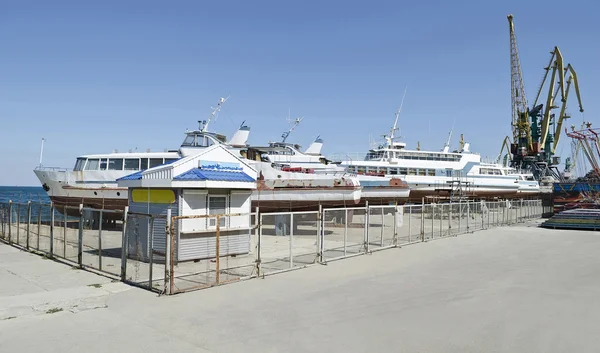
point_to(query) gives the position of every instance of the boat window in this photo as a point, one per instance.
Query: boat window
(144, 164)
(202, 141)
(79, 164)
(430, 171)
(92, 164)
(361, 170)
(132, 164)
(103, 163)
(154, 162)
(189, 140)
(115, 164)
(169, 160)
(374, 155)
(402, 171)
(412, 171)
(393, 171)
(422, 171)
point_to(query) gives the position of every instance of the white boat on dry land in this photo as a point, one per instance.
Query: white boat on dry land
(92, 182)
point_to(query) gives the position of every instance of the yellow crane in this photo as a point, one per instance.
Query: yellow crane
(537, 130)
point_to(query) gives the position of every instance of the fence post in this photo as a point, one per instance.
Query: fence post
(80, 238)
(18, 222)
(395, 228)
(168, 287)
(151, 253)
(409, 226)
(459, 216)
(450, 218)
(2, 221)
(10, 221)
(423, 219)
(381, 230)
(432, 220)
(172, 250)
(51, 229)
(488, 214)
(468, 215)
(65, 231)
(320, 234)
(366, 233)
(28, 222)
(345, 230)
(291, 235)
(125, 245)
(521, 212)
(39, 226)
(441, 220)
(100, 240)
(481, 213)
(218, 250)
(257, 234)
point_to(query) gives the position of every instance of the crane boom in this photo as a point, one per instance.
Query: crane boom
(520, 121)
(562, 116)
(557, 67)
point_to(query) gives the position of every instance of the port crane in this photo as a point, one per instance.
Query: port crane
(588, 140)
(537, 130)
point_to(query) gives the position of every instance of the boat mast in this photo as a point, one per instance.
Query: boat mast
(391, 137)
(204, 123)
(294, 124)
(447, 145)
(42, 151)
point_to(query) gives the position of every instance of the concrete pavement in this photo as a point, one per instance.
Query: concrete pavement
(512, 289)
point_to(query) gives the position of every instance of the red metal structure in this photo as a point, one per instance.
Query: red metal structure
(590, 144)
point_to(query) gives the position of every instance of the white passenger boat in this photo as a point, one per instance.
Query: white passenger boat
(376, 189)
(93, 180)
(444, 173)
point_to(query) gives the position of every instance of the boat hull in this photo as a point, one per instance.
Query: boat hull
(65, 189)
(417, 195)
(72, 205)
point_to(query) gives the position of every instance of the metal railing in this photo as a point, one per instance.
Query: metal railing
(157, 253)
(85, 237)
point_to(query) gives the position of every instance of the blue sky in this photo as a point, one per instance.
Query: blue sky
(91, 78)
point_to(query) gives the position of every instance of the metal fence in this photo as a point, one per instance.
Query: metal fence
(144, 257)
(152, 251)
(84, 237)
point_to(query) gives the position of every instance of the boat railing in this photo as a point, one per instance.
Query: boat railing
(52, 169)
(351, 156)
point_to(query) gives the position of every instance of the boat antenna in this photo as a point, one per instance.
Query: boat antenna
(447, 145)
(42, 151)
(204, 123)
(294, 124)
(395, 128)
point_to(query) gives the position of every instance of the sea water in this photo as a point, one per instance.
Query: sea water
(20, 196)
(23, 194)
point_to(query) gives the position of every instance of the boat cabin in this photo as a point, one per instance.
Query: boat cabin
(122, 161)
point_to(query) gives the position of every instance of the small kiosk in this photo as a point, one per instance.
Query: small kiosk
(212, 182)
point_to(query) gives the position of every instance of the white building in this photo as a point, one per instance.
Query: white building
(212, 182)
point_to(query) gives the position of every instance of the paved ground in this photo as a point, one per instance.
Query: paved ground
(514, 289)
